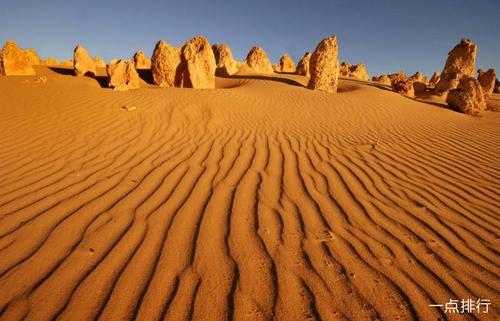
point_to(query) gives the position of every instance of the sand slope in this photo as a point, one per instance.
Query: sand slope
(258, 201)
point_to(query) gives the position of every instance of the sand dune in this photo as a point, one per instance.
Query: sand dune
(259, 200)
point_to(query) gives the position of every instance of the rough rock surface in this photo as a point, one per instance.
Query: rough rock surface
(461, 63)
(382, 79)
(141, 61)
(399, 75)
(164, 64)
(82, 63)
(286, 64)
(468, 97)
(15, 61)
(226, 65)
(276, 67)
(435, 78)
(404, 86)
(420, 77)
(419, 87)
(487, 79)
(50, 61)
(122, 75)
(32, 57)
(344, 70)
(324, 66)
(198, 64)
(303, 65)
(258, 61)
(359, 72)
(99, 62)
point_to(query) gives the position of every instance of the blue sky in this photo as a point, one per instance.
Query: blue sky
(387, 36)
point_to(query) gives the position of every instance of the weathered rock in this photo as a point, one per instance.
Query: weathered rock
(164, 64)
(435, 78)
(404, 86)
(99, 62)
(276, 67)
(324, 66)
(82, 63)
(461, 63)
(419, 87)
(359, 72)
(344, 70)
(468, 97)
(122, 75)
(258, 61)
(50, 61)
(399, 75)
(382, 79)
(286, 64)
(487, 80)
(226, 65)
(420, 77)
(303, 65)
(141, 61)
(198, 64)
(15, 61)
(32, 56)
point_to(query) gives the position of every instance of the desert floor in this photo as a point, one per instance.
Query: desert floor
(259, 200)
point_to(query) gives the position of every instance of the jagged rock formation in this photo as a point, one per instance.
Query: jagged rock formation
(15, 61)
(436, 76)
(324, 66)
(468, 97)
(82, 63)
(382, 79)
(487, 80)
(122, 75)
(286, 64)
(141, 61)
(99, 62)
(226, 65)
(198, 64)
(356, 71)
(164, 63)
(404, 86)
(420, 77)
(303, 65)
(461, 63)
(258, 61)
(399, 75)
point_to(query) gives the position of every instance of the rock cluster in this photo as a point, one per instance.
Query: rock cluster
(468, 97)
(258, 61)
(50, 61)
(226, 65)
(404, 86)
(420, 77)
(122, 75)
(82, 63)
(461, 63)
(141, 61)
(286, 64)
(356, 71)
(15, 61)
(324, 66)
(487, 80)
(192, 65)
(382, 79)
(303, 65)
(67, 63)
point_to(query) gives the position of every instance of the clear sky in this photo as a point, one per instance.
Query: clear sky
(386, 35)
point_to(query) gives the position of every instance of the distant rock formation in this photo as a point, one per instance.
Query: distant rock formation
(286, 64)
(461, 63)
(50, 61)
(198, 64)
(15, 61)
(141, 61)
(487, 80)
(356, 71)
(399, 75)
(404, 86)
(258, 61)
(67, 63)
(99, 62)
(382, 79)
(82, 63)
(435, 78)
(303, 65)
(226, 65)
(420, 77)
(468, 97)
(122, 75)
(324, 66)
(164, 63)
